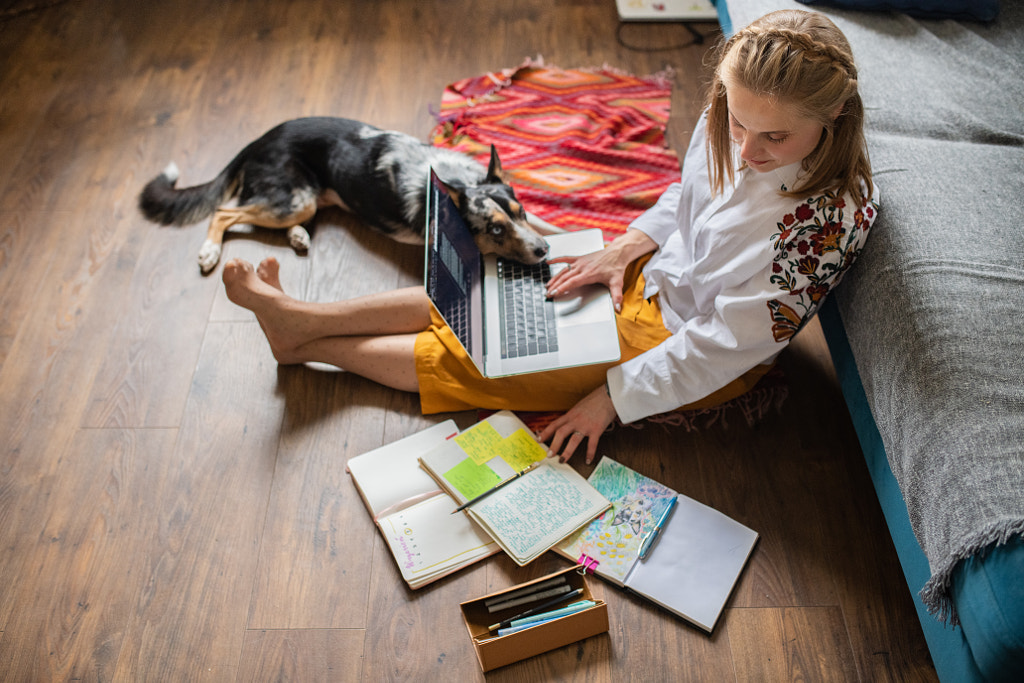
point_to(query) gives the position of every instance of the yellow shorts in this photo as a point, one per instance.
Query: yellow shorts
(449, 381)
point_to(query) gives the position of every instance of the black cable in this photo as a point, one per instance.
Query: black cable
(698, 38)
(13, 12)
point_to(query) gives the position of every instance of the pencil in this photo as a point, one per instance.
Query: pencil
(496, 487)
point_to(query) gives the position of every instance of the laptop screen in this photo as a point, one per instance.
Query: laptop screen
(452, 266)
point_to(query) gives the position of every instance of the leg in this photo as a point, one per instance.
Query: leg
(372, 336)
(209, 253)
(300, 209)
(389, 360)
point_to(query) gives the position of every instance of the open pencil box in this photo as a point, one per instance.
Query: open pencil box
(494, 650)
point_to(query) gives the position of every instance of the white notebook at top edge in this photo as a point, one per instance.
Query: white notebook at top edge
(413, 514)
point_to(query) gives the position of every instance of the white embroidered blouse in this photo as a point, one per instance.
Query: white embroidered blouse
(737, 275)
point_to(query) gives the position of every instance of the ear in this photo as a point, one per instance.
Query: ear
(494, 172)
(456, 190)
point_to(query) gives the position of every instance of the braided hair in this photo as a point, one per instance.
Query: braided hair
(802, 59)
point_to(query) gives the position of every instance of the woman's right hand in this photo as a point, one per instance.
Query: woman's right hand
(606, 267)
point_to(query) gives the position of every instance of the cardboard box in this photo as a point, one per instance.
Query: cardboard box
(494, 651)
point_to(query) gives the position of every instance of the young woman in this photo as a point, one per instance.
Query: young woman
(774, 204)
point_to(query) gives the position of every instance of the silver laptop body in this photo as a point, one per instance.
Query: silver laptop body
(468, 290)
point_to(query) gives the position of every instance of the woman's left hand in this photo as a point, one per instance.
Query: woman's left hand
(588, 420)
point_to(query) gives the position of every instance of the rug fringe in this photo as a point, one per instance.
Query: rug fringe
(753, 406)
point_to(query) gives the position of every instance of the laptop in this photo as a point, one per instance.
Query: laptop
(497, 308)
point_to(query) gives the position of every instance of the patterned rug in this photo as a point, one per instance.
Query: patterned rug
(583, 148)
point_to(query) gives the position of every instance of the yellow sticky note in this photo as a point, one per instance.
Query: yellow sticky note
(520, 450)
(480, 442)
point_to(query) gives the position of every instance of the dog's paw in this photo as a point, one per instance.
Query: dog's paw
(298, 238)
(209, 255)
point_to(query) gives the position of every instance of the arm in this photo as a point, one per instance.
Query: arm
(748, 319)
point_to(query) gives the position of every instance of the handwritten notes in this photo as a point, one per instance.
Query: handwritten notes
(480, 442)
(520, 450)
(540, 509)
(491, 458)
(534, 511)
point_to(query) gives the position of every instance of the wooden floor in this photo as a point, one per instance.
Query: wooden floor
(175, 507)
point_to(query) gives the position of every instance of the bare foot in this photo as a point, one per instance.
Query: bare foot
(246, 287)
(269, 271)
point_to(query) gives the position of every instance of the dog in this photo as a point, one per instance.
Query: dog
(380, 176)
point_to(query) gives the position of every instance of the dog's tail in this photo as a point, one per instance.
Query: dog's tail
(161, 202)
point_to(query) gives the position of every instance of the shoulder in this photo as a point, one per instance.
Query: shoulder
(814, 245)
(824, 226)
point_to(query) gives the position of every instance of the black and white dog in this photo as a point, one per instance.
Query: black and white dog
(282, 178)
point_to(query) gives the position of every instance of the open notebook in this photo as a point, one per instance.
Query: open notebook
(413, 514)
(532, 513)
(694, 562)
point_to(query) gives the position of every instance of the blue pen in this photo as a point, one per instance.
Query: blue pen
(651, 537)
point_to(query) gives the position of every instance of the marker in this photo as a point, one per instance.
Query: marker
(505, 623)
(490, 491)
(533, 597)
(525, 590)
(651, 537)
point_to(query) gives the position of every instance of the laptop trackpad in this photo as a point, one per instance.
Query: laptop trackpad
(586, 305)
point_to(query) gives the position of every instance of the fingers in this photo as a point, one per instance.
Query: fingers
(556, 285)
(565, 441)
(615, 288)
(588, 420)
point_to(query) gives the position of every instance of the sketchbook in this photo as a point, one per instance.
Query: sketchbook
(528, 516)
(413, 514)
(693, 563)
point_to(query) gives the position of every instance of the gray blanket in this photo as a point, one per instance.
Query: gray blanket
(934, 309)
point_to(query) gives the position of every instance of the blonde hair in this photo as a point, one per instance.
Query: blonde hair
(802, 59)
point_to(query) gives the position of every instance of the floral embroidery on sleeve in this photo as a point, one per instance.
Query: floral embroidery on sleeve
(814, 246)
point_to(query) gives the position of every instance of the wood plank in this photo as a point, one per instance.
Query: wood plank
(87, 558)
(791, 644)
(308, 655)
(45, 378)
(318, 540)
(189, 621)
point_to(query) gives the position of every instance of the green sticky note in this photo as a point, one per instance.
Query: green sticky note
(480, 442)
(471, 479)
(520, 450)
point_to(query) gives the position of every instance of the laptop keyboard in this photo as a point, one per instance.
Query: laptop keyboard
(529, 316)
(457, 318)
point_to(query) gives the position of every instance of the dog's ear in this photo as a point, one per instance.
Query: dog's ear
(456, 190)
(494, 172)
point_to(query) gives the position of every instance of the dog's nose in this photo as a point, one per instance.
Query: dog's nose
(541, 251)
